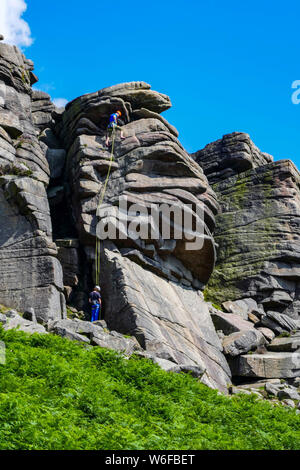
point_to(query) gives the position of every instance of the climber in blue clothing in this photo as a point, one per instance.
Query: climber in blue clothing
(95, 301)
(113, 124)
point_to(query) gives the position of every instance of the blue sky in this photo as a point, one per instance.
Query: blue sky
(227, 66)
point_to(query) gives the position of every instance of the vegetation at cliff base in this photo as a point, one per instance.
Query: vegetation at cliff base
(57, 394)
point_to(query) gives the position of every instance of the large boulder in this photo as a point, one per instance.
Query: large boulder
(170, 320)
(42, 109)
(69, 257)
(270, 365)
(285, 344)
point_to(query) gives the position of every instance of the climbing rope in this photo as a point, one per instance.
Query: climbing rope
(98, 241)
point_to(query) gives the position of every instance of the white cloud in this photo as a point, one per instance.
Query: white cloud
(15, 30)
(60, 102)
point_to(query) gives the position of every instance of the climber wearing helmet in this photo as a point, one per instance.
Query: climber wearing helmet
(95, 301)
(113, 124)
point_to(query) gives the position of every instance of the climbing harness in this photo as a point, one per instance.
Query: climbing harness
(98, 241)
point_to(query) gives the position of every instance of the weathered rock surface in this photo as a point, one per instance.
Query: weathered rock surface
(233, 154)
(229, 322)
(70, 334)
(30, 315)
(242, 342)
(95, 334)
(77, 326)
(243, 307)
(285, 344)
(276, 391)
(259, 383)
(268, 334)
(150, 168)
(42, 109)
(30, 274)
(271, 325)
(116, 341)
(258, 228)
(69, 257)
(269, 365)
(295, 382)
(288, 393)
(283, 321)
(56, 159)
(169, 320)
(12, 320)
(151, 280)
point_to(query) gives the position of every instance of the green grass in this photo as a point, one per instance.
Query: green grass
(58, 394)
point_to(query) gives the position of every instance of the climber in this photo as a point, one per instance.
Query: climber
(113, 124)
(95, 301)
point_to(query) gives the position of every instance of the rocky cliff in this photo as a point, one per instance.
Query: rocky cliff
(258, 226)
(59, 183)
